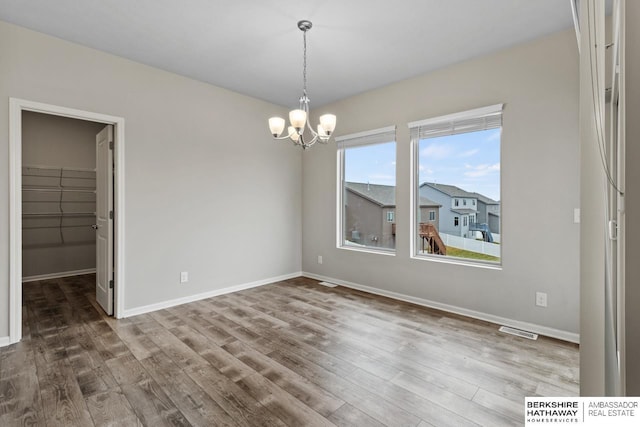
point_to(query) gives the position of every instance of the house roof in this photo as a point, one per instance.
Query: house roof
(450, 190)
(383, 195)
(464, 211)
(486, 200)
(453, 191)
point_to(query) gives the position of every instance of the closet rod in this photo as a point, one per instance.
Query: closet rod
(55, 245)
(57, 168)
(58, 176)
(58, 190)
(56, 214)
(57, 226)
(58, 201)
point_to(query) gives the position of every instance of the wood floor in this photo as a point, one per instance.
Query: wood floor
(292, 353)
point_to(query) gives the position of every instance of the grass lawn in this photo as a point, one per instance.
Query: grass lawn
(461, 253)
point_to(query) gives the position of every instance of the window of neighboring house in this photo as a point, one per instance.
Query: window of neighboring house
(432, 215)
(457, 154)
(367, 177)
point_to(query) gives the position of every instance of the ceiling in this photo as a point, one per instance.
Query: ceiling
(254, 46)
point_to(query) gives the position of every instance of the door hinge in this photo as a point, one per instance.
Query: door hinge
(110, 214)
(110, 145)
(111, 284)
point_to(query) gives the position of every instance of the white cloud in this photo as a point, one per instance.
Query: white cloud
(481, 170)
(426, 170)
(436, 151)
(470, 153)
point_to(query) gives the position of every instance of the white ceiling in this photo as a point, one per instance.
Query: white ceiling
(254, 46)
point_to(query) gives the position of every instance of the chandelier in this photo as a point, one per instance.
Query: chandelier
(299, 119)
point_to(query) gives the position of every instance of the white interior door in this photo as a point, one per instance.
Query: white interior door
(104, 219)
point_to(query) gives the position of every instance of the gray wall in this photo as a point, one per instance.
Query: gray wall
(49, 140)
(538, 83)
(198, 159)
(367, 218)
(56, 141)
(632, 235)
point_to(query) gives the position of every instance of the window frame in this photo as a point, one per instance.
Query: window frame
(342, 144)
(477, 113)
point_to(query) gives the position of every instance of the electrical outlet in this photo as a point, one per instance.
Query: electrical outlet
(576, 216)
(184, 276)
(319, 259)
(541, 299)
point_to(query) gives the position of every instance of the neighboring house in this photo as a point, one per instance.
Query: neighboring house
(370, 211)
(488, 212)
(461, 208)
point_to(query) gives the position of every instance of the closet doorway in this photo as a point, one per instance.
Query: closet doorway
(66, 201)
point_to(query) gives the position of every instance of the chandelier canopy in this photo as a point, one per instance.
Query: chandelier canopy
(299, 119)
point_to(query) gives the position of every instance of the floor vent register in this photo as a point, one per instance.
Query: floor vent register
(518, 332)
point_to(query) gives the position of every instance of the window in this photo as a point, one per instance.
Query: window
(368, 190)
(457, 157)
(432, 215)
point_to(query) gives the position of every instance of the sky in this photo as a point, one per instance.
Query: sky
(470, 161)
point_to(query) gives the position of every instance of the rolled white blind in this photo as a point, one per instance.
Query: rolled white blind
(370, 137)
(467, 121)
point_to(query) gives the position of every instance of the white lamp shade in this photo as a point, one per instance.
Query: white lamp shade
(293, 134)
(298, 118)
(321, 132)
(276, 125)
(328, 123)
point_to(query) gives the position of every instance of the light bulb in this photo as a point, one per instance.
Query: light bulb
(293, 134)
(276, 125)
(328, 123)
(298, 118)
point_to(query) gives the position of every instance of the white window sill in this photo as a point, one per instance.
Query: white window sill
(387, 252)
(458, 261)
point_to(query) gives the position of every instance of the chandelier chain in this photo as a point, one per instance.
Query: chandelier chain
(304, 65)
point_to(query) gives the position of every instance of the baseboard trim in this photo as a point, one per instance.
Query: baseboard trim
(58, 275)
(532, 327)
(197, 297)
(5, 341)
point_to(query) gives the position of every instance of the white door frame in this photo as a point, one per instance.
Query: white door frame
(16, 107)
